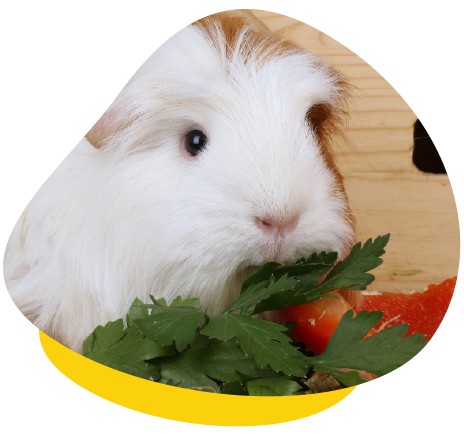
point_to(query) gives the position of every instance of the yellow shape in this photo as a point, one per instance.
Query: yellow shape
(180, 404)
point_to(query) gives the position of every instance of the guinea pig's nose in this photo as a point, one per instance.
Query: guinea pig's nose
(276, 225)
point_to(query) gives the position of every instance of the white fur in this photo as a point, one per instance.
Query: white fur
(140, 217)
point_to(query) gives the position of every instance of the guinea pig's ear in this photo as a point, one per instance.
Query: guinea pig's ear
(105, 128)
(322, 119)
(326, 118)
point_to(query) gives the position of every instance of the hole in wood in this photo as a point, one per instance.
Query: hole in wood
(424, 155)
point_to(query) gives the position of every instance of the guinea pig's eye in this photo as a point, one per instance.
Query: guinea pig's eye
(195, 142)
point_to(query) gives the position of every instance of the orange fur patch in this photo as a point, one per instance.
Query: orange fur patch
(104, 128)
(262, 43)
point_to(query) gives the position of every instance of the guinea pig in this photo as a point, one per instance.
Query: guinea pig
(213, 159)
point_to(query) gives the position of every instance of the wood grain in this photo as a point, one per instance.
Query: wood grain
(387, 192)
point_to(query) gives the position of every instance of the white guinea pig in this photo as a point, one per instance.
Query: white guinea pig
(211, 161)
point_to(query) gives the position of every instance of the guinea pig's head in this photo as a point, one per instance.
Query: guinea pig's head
(223, 137)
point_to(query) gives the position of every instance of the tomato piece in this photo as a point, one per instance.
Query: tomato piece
(315, 322)
(423, 311)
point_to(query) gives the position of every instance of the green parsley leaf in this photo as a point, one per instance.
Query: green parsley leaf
(257, 292)
(188, 378)
(176, 323)
(312, 268)
(272, 387)
(275, 286)
(352, 272)
(124, 349)
(263, 274)
(303, 277)
(137, 310)
(205, 360)
(264, 340)
(234, 388)
(378, 354)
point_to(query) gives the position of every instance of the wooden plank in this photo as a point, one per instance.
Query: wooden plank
(299, 33)
(391, 161)
(362, 103)
(347, 59)
(371, 83)
(306, 37)
(371, 139)
(406, 280)
(360, 71)
(378, 177)
(381, 119)
(400, 193)
(411, 226)
(378, 92)
(418, 252)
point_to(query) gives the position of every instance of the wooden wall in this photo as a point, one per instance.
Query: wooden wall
(387, 192)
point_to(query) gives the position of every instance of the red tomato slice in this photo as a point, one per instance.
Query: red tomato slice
(423, 311)
(316, 321)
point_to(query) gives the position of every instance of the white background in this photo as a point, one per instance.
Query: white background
(62, 63)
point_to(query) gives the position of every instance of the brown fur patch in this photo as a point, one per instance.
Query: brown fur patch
(107, 126)
(102, 130)
(262, 43)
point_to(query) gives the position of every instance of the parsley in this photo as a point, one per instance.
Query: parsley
(205, 361)
(266, 341)
(124, 349)
(272, 387)
(176, 323)
(379, 354)
(238, 353)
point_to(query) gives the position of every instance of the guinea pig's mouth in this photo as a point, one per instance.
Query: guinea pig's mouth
(284, 251)
(253, 266)
(276, 250)
(247, 270)
(280, 253)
